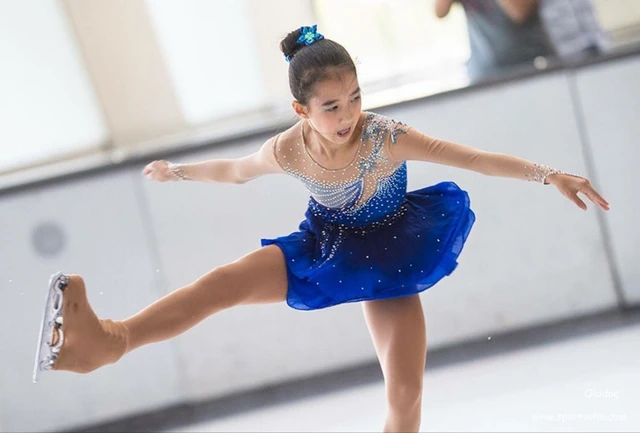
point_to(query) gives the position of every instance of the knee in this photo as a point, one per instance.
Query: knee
(405, 396)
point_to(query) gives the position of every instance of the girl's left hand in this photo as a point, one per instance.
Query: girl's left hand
(570, 186)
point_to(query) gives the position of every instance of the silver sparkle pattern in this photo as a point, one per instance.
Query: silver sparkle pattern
(351, 187)
(357, 199)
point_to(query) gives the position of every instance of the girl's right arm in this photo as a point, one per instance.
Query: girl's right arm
(240, 170)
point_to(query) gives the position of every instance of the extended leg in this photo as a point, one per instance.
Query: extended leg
(257, 278)
(78, 341)
(397, 327)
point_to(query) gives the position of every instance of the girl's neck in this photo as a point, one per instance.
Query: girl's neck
(326, 147)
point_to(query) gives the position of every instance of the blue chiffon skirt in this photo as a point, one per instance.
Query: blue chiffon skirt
(411, 251)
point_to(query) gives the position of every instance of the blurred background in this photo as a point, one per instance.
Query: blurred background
(538, 328)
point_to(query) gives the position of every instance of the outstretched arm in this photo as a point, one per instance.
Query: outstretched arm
(417, 146)
(240, 170)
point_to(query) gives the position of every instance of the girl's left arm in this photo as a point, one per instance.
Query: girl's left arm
(416, 146)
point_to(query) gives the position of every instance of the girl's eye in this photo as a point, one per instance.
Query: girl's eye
(334, 108)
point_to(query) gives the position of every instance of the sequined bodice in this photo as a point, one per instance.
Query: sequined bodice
(371, 187)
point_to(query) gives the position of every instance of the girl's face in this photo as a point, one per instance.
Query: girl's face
(335, 107)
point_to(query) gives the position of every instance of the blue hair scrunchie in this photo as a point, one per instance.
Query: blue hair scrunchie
(308, 36)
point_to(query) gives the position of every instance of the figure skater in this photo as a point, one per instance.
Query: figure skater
(364, 238)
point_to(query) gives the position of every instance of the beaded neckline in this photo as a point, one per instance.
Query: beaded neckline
(355, 157)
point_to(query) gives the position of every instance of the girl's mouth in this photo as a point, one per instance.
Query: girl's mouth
(344, 132)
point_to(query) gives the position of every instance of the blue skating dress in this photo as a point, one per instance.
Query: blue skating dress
(364, 237)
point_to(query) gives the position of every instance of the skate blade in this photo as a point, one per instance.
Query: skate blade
(46, 352)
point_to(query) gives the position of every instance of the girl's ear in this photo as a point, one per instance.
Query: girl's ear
(300, 110)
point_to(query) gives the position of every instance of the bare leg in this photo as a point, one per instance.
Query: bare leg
(258, 278)
(398, 331)
(89, 343)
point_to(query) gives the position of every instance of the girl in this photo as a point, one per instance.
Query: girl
(364, 237)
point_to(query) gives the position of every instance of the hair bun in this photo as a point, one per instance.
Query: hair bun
(312, 58)
(289, 45)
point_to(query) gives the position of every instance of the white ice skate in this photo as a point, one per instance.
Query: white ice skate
(51, 335)
(74, 339)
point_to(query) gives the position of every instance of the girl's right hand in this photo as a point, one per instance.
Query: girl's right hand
(158, 171)
(570, 185)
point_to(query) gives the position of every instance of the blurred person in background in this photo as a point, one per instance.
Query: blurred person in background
(502, 34)
(573, 28)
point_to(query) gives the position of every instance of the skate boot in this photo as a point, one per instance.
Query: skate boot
(72, 338)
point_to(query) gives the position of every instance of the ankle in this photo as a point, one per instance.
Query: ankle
(119, 333)
(127, 336)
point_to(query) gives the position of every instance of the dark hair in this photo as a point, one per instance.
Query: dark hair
(310, 64)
